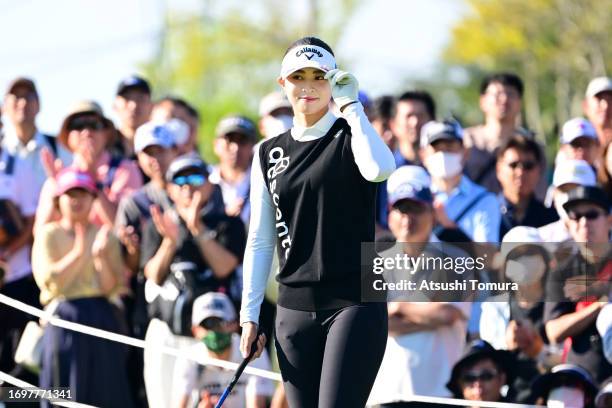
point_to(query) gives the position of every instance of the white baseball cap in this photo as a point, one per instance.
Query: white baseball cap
(307, 56)
(575, 172)
(152, 134)
(409, 182)
(575, 128)
(519, 236)
(598, 85)
(212, 304)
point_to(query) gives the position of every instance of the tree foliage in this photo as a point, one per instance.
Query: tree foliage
(556, 46)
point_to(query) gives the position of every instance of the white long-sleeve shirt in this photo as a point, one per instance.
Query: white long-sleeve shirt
(374, 161)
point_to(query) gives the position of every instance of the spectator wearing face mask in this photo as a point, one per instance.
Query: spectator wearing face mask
(275, 115)
(514, 320)
(465, 211)
(171, 107)
(459, 202)
(566, 385)
(567, 175)
(215, 326)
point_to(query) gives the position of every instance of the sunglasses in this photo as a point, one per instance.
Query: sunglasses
(194, 180)
(525, 165)
(85, 123)
(486, 375)
(213, 323)
(589, 215)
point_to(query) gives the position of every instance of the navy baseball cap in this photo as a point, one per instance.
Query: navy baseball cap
(446, 130)
(133, 82)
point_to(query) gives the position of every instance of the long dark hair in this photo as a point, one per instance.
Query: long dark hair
(310, 41)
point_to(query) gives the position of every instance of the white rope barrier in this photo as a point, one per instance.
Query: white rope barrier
(130, 341)
(22, 384)
(202, 360)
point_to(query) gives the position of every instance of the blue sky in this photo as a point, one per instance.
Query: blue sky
(81, 49)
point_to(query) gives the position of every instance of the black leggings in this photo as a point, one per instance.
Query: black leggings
(330, 358)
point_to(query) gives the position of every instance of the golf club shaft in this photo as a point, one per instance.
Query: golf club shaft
(239, 371)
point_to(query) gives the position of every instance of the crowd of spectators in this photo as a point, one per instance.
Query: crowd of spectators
(123, 226)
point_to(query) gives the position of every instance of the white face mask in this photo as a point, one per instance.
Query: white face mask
(565, 397)
(275, 125)
(444, 164)
(525, 270)
(559, 200)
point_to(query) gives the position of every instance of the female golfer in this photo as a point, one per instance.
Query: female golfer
(312, 193)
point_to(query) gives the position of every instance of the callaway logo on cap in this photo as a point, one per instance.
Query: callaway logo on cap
(307, 56)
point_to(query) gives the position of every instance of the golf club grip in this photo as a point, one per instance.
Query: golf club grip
(239, 371)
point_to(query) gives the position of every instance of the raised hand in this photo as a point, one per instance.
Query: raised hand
(100, 245)
(129, 238)
(164, 224)
(441, 216)
(344, 87)
(85, 160)
(51, 165)
(191, 214)
(80, 237)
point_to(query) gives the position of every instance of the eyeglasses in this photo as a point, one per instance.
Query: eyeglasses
(525, 165)
(85, 123)
(486, 375)
(213, 323)
(589, 215)
(194, 180)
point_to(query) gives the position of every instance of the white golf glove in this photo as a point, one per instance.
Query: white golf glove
(344, 86)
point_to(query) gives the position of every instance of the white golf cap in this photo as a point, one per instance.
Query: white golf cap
(575, 128)
(152, 134)
(519, 236)
(575, 172)
(409, 182)
(212, 304)
(598, 85)
(307, 56)
(272, 102)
